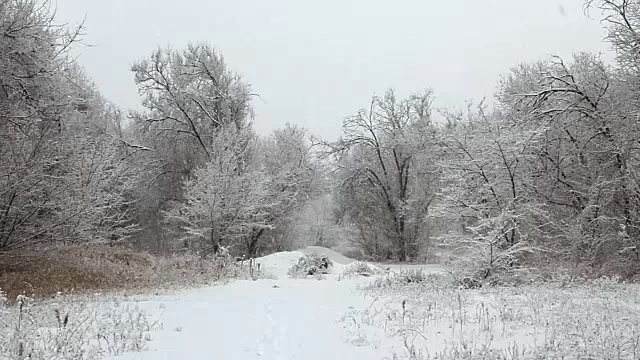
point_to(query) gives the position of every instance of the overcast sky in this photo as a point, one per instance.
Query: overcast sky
(315, 62)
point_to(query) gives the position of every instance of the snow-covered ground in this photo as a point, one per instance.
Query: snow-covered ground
(263, 319)
(410, 315)
(394, 314)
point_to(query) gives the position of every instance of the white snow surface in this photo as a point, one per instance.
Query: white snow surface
(263, 319)
(278, 264)
(332, 318)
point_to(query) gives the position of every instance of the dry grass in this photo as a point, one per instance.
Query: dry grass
(566, 318)
(88, 269)
(87, 328)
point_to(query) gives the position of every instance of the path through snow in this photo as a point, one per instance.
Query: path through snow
(264, 319)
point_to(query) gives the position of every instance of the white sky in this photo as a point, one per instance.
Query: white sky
(315, 62)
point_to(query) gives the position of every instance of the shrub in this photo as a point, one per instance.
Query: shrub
(310, 265)
(409, 278)
(359, 268)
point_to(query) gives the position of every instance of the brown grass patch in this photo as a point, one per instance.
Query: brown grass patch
(85, 269)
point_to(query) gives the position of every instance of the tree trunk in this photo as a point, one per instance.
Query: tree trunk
(215, 241)
(402, 249)
(402, 241)
(252, 249)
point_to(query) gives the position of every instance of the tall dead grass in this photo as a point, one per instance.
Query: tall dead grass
(89, 269)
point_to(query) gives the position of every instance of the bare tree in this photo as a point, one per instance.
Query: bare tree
(61, 172)
(622, 19)
(225, 202)
(384, 142)
(296, 178)
(189, 96)
(191, 92)
(582, 165)
(484, 188)
(249, 186)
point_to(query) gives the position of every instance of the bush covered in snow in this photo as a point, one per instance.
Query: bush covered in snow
(360, 268)
(313, 264)
(412, 277)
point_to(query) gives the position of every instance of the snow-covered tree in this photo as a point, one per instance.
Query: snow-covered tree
(62, 177)
(248, 188)
(554, 165)
(582, 168)
(189, 95)
(227, 198)
(316, 224)
(296, 177)
(484, 187)
(379, 150)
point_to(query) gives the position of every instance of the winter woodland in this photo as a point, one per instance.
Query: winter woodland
(547, 173)
(540, 181)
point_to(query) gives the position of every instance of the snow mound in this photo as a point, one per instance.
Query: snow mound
(334, 256)
(278, 264)
(342, 265)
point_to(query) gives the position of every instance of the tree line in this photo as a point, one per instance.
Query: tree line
(549, 171)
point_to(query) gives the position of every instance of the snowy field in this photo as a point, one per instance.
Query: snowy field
(400, 313)
(272, 318)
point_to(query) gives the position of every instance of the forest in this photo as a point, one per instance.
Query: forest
(547, 174)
